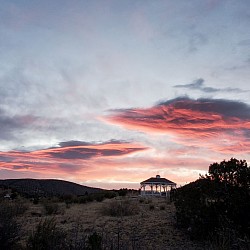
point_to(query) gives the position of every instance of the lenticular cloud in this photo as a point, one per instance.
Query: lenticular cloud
(202, 120)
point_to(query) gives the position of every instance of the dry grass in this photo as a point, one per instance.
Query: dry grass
(146, 229)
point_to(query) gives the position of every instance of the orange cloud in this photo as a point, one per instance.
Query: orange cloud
(193, 121)
(105, 165)
(70, 157)
(203, 131)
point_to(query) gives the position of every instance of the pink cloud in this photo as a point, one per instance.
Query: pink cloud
(221, 125)
(73, 158)
(113, 163)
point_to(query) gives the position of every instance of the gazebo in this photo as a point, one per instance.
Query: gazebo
(157, 186)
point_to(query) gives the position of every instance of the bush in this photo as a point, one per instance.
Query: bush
(141, 200)
(95, 241)
(192, 211)
(98, 197)
(8, 233)
(51, 208)
(68, 199)
(162, 207)
(46, 237)
(82, 200)
(11, 209)
(89, 198)
(151, 207)
(35, 201)
(121, 208)
(110, 194)
(9, 228)
(122, 191)
(148, 201)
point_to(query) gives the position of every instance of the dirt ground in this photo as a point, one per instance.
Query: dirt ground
(151, 227)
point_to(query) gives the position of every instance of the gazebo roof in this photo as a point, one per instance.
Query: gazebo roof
(158, 180)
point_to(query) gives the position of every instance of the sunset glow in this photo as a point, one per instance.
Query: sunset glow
(110, 93)
(220, 124)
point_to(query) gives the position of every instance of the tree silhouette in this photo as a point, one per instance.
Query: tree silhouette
(217, 202)
(233, 172)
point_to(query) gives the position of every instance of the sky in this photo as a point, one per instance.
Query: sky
(109, 93)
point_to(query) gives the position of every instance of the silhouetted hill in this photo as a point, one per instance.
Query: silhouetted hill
(47, 187)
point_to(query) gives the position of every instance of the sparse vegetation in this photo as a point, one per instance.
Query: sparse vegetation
(102, 220)
(46, 237)
(51, 208)
(83, 225)
(9, 228)
(100, 196)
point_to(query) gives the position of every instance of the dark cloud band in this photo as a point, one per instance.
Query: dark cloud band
(198, 84)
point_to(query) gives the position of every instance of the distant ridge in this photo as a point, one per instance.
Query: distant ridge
(47, 187)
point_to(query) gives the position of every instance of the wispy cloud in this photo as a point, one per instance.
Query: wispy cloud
(198, 84)
(10, 123)
(68, 156)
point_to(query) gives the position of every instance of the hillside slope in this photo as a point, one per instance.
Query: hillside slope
(47, 187)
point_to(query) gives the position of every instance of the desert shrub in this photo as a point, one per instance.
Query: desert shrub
(68, 205)
(51, 208)
(192, 211)
(46, 237)
(14, 195)
(10, 209)
(68, 199)
(89, 198)
(98, 197)
(78, 240)
(151, 207)
(35, 200)
(162, 207)
(9, 228)
(141, 200)
(110, 194)
(95, 241)
(19, 208)
(148, 201)
(82, 200)
(222, 239)
(122, 191)
(101, 196)
(8, 233)
(121, 208)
